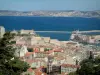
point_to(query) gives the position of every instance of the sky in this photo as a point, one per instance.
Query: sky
(31, 5)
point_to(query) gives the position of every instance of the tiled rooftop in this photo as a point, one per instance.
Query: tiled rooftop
(70, 65)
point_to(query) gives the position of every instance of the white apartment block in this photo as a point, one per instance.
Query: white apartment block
(2, 31)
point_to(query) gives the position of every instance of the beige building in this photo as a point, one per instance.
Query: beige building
(2, 31)
(26, 31)
(35, 40)
(46, 39)
(55, 42)
(67, 68)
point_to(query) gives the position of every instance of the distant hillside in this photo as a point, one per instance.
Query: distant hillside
(70, 13)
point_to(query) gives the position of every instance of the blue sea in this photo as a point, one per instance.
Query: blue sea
(51, 24)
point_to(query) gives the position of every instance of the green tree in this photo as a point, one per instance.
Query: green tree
(73, 73)
(9, 64)
(90, 67)
(86, 69)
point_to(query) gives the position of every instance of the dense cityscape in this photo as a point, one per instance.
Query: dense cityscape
(47, 56)
(49, 37)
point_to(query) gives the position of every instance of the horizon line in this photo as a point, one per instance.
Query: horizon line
(44, 10)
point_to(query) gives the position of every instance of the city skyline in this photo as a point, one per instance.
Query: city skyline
(32, 5)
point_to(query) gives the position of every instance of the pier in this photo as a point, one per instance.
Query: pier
(68, 31)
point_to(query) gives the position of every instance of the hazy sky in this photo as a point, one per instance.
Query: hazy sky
(29, 5)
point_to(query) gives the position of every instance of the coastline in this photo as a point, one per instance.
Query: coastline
(48, 16)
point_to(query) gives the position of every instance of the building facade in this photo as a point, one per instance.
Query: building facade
(2, 31)
(67, 68)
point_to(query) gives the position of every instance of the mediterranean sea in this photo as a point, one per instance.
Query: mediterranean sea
(51, 24)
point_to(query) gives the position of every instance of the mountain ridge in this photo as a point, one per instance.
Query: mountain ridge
(53, 13)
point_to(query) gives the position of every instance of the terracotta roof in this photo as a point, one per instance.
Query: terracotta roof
(36, 49)
(38, 72)
(31, 61)
(58, 50)
(70, 65)
(28, 53)
(50, 51)
(39, 52)
(30, 70)
(64, 73)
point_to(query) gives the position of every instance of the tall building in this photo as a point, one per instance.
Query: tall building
(49, 65)
(2, 31)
